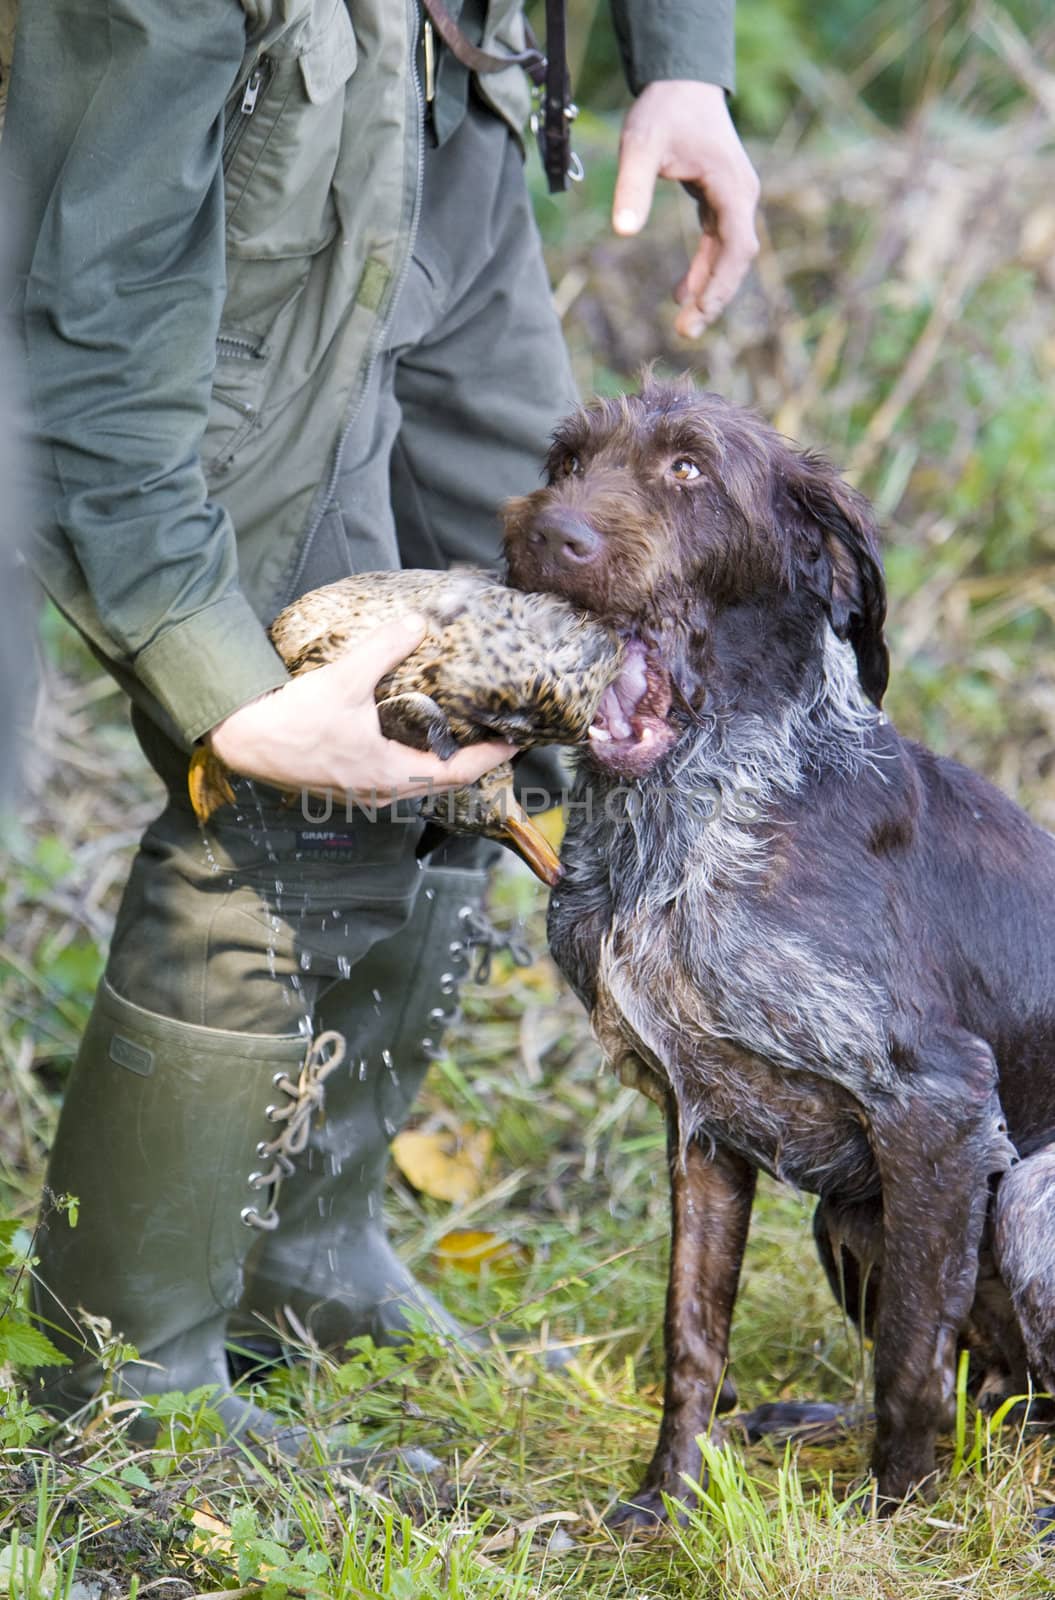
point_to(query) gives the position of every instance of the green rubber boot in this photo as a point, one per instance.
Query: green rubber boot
(171, 1137)
(330, 1260)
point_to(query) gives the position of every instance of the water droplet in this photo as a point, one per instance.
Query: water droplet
(391, 1128)
(344, 966)
(376, 994)
(279, 886)
(305, 960)
(386, 1059)
(362, 1069)
(331, 1257)
(214, 865)
(370, 1202)
(322, 1205)
(430, 894)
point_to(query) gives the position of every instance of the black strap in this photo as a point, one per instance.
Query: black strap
(554, 134)
(548, 72)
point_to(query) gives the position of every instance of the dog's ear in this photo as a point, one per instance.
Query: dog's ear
(849, 573)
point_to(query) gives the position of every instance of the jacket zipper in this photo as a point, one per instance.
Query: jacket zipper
(379, 338)
(228, 344)
(254, 89)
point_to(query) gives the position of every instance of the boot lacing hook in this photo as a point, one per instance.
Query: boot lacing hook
(306, 1096)
(481, 935)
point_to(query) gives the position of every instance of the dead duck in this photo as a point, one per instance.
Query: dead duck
(495, 663)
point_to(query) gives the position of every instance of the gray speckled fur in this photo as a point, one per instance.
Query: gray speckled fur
(686, 896)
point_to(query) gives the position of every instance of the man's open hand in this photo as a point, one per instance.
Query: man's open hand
(320, 731)
(681, 129)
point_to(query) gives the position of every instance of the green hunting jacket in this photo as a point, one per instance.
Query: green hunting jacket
(217, 204)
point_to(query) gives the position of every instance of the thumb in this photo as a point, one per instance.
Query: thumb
(379, 651)
(635, 183)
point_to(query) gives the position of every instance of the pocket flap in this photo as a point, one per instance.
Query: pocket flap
(329, 59)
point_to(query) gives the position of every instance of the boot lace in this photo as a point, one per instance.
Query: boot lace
(484, 941)
(306, 1096)
(479, 938)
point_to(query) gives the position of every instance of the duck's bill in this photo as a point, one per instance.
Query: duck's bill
(532, 846)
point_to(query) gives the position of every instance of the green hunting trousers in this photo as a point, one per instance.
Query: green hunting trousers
(263, 925)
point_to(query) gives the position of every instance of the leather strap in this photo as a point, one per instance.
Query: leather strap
(470, 55)
(548, 72)
(554, 135)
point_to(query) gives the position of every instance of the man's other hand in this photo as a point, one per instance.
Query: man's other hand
(681, 129)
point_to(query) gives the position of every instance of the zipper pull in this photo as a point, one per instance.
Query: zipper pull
(430, 63)
(252, 91)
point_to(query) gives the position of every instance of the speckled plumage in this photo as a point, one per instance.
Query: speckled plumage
(496, 663)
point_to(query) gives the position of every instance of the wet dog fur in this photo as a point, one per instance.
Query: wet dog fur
(825, 952)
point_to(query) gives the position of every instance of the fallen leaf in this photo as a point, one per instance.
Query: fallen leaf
(472, 1249)
(212, 1536)
(447, 1165)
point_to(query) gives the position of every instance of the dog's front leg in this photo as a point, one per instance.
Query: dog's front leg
(935, 1147)
(711, 1196)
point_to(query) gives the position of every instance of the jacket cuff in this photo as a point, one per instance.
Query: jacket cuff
(677, 39)
(208, 665)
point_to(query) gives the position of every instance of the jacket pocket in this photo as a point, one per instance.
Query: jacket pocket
(282, 139)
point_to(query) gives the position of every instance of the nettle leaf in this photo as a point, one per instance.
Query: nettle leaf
(8, 1229)
(22, 1345)
(20, 1422)
(136, 1477)
(180, 1403)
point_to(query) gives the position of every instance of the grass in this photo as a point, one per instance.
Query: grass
(901, 318)
(528, 1460)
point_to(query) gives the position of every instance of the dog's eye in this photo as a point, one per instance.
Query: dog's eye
(569, 467)
(684, 470)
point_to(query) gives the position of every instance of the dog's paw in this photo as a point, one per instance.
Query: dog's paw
(808, 1421)
(1044, 1529)
(641, 1513)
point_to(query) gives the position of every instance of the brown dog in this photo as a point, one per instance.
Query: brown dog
(826, 952)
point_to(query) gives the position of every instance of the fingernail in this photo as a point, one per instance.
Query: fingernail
(626, 222)
(694, 326)
(414, 622)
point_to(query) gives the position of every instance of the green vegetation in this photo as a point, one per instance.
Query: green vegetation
(901, 319)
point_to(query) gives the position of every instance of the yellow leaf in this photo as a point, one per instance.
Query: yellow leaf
(448, 1166)
(471, 1249)
(212, 1536)
(551, 825)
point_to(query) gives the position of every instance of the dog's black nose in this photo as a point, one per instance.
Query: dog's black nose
(566, 536)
